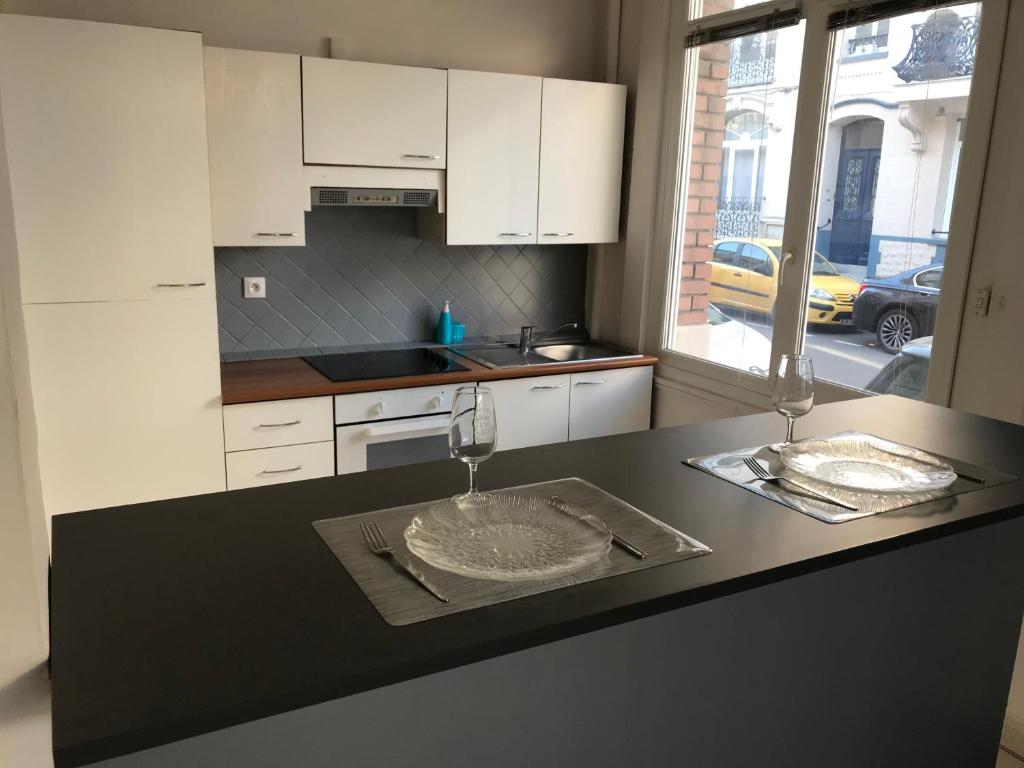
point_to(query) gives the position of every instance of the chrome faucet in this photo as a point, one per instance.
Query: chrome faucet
(527, 341)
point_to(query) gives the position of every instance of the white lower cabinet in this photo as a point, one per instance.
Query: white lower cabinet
(532, 411)
(282, 464)
(610, 402)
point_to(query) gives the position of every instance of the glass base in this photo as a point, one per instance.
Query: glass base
(472, 501)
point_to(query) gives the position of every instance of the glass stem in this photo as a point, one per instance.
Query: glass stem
(472, 478)
(789, 428)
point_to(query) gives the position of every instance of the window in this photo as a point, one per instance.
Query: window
(885, 181)
(930, 278)
(782, 211)
(736, 198)
(868, 39)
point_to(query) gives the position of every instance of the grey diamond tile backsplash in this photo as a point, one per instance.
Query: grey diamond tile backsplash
(364, 277)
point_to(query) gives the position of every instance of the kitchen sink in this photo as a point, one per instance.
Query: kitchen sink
(508, 355)
(582, 353)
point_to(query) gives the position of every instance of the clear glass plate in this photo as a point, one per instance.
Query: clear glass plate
(507, 538)
(863, 462)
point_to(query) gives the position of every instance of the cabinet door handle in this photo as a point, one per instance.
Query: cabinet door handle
(180, 285)
(591, 381)
(558, 234)
(547, 386)
(514, 234)
(277, 234)
(281, 424)
(422, 157)
(280, 471)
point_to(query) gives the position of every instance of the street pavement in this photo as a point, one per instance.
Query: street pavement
(843, 355)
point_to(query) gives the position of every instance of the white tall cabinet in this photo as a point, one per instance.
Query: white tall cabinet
(254, 124)
(493, 146)
(105, 138)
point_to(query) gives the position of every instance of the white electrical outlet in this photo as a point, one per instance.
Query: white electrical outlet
(254, 287)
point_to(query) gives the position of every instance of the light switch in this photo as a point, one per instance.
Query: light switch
(254, 287)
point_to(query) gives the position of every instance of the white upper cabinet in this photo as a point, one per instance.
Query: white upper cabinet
(106, 144)
(254, 125)
(493, 151)
(580, 162)
(356, 113)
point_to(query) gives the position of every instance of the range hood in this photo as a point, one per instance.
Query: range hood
(344, 196)
(340, 185)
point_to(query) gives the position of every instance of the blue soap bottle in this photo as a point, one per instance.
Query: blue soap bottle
(444, 325)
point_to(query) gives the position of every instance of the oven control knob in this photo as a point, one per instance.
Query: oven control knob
(378, 408)
(435, 403)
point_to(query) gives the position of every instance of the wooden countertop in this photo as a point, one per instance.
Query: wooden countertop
(289, 377)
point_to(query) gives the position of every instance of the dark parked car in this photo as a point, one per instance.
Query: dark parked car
(906, 374)
(899, 308)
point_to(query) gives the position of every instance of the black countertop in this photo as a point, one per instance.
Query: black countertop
(180, 617)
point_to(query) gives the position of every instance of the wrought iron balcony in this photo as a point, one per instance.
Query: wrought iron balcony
(944, 46)
(738, 217)
(752, 60)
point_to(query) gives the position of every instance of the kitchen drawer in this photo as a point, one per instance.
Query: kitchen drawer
(392, 404)
(268, 466)
(531, 411)
(277, 422)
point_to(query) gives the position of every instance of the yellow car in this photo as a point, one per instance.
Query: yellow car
(745, 275)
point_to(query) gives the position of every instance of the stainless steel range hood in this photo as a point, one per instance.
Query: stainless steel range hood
(346, 196)
(343, 186)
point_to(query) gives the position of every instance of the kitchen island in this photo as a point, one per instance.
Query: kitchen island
(219, 630)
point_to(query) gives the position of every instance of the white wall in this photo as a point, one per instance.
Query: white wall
(24, 706)
(557, 38)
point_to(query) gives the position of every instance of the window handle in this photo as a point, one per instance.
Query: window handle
(786, 258)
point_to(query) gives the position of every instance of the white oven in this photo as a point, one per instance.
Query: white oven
(391, 428)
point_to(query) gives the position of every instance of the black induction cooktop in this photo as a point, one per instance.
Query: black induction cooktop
(382, 364)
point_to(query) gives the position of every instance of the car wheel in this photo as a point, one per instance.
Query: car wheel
(895, 328)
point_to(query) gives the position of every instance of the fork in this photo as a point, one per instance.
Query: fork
(379, 546)
(763, 474)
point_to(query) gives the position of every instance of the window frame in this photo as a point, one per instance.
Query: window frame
(687, 373)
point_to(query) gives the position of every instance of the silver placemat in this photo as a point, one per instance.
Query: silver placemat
(400, 601)
(729, 466)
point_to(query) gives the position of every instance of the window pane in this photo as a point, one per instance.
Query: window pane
(729, 240)
(711, 7)
(890, 159)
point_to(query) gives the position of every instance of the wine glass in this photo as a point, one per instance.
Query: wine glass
(793, 389)
(472, 434)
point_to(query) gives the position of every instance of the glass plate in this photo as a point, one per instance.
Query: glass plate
(863, 462)
(507, 538)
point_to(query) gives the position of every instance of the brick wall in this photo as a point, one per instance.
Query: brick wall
(705, 171)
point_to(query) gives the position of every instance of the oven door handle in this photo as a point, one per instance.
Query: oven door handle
(408, 428)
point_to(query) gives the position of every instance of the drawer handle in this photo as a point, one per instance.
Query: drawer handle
(514, 234)
(547, 386)
(422, 157)
(180, 285)
(591, 381)
(280, 471)
(559, 234)
(277, 234)
(282, 424)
